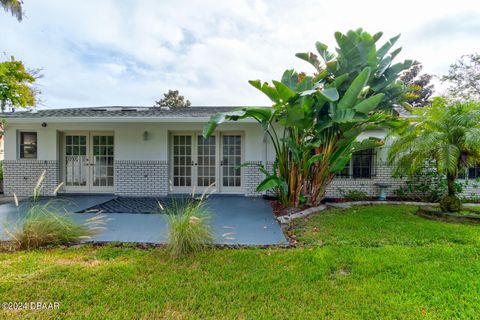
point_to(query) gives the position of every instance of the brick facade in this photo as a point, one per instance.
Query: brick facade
(252, 176)
(21, 176)
(151, 178)
(383, 174)
(141, 178)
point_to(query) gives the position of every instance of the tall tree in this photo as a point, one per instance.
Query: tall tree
(421, 88)
(447, 134)
(316, 119)
(464, 78)
(173, 99)
(14, 7)
(16, 85)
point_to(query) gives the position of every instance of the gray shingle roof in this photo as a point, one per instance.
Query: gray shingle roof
(117, 112)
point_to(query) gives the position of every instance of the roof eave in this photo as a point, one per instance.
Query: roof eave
(116, 119)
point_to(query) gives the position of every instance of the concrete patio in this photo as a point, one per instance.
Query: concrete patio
(235, 219)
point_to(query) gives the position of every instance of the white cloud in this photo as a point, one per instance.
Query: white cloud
(130, 52)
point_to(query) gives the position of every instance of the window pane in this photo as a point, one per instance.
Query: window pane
(28, 138)
(28, 145)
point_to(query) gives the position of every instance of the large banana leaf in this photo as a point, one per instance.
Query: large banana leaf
(369, 104)
(259, 114)
(353, 91)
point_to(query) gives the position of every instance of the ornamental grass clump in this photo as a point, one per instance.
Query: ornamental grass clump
(47, 224)
(189, 227)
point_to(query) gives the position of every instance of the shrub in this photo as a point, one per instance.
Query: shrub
(426, 186)
(354, 195)
(48, 224)
(42, 227)
(189, 228)
(451, 203)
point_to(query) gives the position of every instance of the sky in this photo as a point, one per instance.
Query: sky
(125, 52)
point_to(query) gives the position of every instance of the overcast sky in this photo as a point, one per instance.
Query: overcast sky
(123, 52)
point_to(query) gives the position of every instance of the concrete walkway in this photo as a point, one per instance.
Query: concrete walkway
(236, 220)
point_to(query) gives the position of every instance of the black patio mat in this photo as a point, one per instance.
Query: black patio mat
(136, 205)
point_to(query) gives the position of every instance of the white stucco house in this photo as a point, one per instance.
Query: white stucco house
(151, 151)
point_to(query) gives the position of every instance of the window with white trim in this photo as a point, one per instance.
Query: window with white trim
(360, 166)
(27, 145)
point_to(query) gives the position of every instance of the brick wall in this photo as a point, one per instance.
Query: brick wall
(252, 176)
(21, 176)
(382, 174)
(471, 188)
(141, 178)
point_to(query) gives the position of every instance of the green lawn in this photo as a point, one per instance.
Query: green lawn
(365, 262)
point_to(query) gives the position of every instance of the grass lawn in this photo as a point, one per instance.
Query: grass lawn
(364, 262)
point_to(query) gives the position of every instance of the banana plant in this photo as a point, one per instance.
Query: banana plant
(316, 119)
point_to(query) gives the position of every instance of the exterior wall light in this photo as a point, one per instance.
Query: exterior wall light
(145, 135)
(44, 124)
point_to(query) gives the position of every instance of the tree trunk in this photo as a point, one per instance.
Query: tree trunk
(451, 178)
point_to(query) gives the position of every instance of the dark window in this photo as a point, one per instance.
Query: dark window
(474, 173)
(28, 145)
(361, 165)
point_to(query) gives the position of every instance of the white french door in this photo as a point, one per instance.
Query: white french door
(231, 159)
(88, 161)
(199, 163)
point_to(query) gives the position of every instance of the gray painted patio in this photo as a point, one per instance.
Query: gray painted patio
(235, 219)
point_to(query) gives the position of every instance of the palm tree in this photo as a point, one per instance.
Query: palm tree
(14, 6)
(447, 135)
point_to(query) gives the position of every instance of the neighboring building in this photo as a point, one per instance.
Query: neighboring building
(138, 151)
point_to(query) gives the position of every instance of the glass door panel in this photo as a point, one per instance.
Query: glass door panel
(182, 160)
(76, 161)
(231, 161)
(206, 161)
(102, 160)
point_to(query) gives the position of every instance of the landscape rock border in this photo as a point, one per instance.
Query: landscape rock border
(433, 214)
(286, 219)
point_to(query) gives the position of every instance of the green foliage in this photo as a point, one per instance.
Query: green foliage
(451, 203)
(44, 225)
(381, 226)
(14, 7)
(173, 99)
(189, 228)
(426, 186)
(16, 85)
(316, 119)
(400, 266)
(354, 195)
(48, 224)
(1, 170)
(446, 134)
